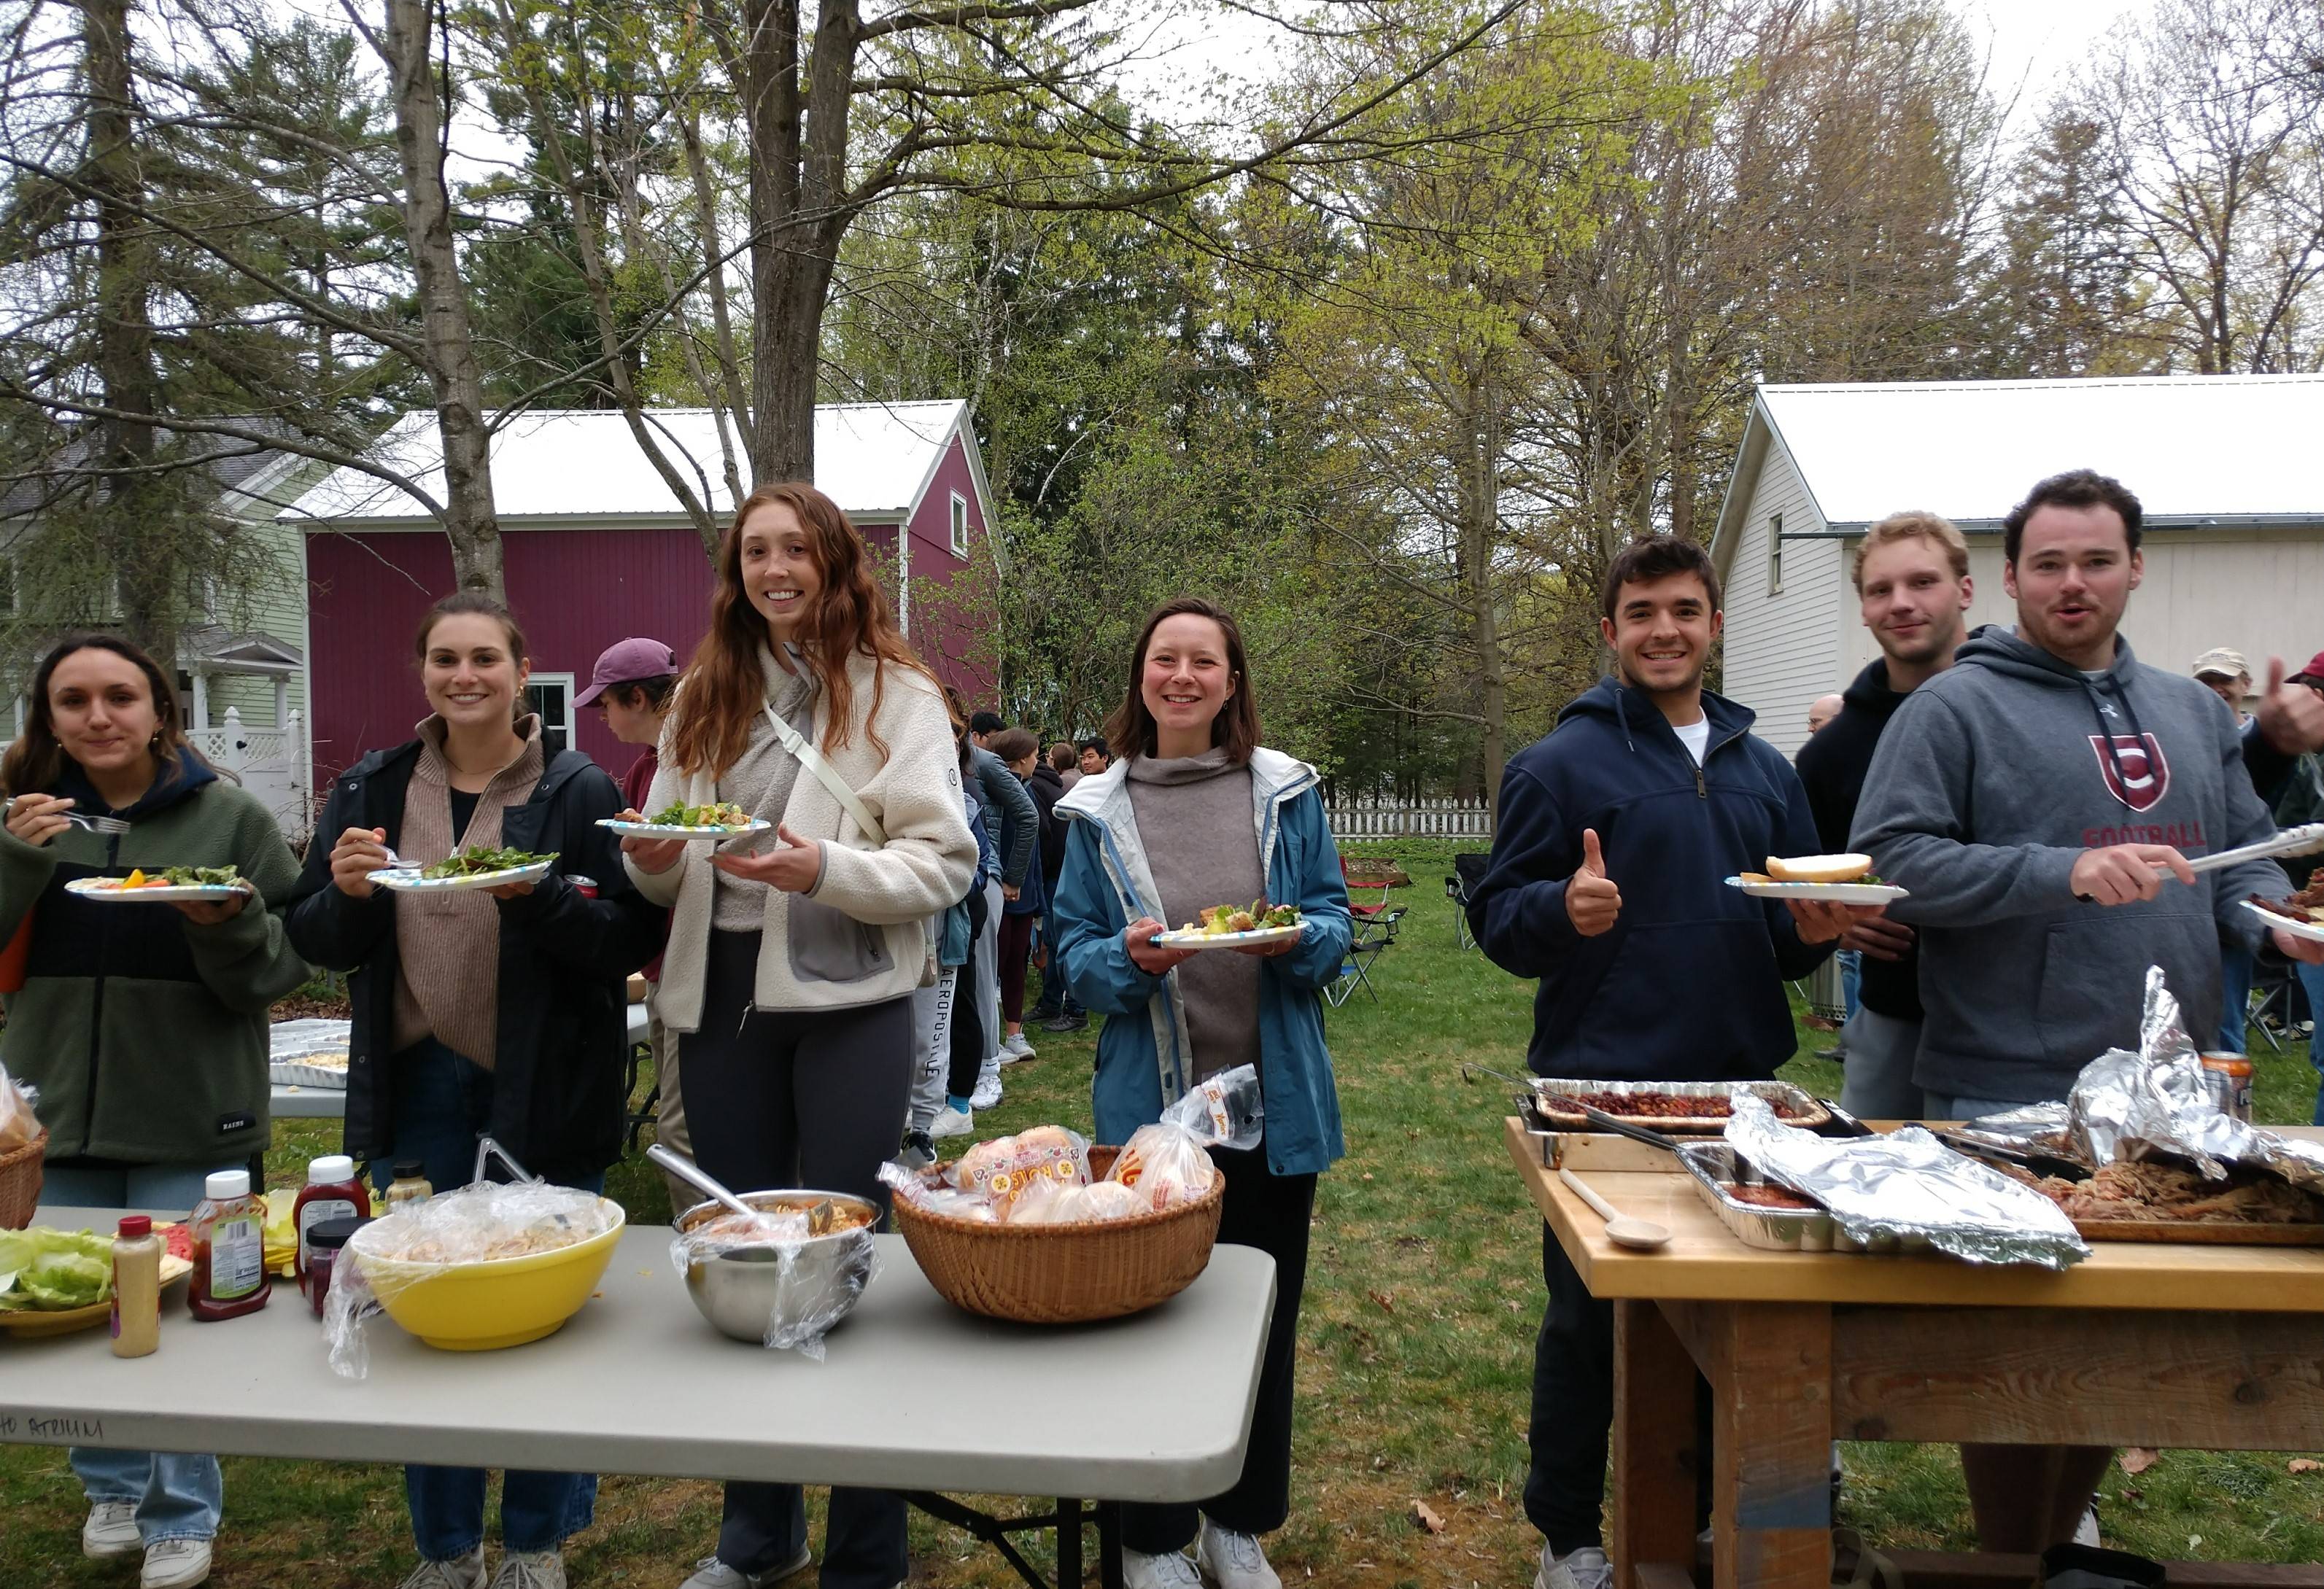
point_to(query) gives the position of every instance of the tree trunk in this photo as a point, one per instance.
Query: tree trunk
(800, 212)
(1479, 510)
(136, 527)
(448, 348)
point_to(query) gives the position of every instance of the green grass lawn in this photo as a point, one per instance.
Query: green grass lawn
(1416, 1353)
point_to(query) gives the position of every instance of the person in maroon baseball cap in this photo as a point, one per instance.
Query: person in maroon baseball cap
(631, 686)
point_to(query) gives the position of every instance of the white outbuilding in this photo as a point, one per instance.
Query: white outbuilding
(2225, 465)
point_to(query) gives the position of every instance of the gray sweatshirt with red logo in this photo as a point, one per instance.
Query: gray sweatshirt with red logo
(1991, 780)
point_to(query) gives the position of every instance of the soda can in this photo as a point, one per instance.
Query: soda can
(586, 888)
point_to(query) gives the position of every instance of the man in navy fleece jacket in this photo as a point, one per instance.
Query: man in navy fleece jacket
(1615, 838)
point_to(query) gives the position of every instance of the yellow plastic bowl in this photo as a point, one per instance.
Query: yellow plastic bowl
(498, 1302)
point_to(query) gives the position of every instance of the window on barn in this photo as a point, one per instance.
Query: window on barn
(959, 524)
(551, 695)
(1775, 554)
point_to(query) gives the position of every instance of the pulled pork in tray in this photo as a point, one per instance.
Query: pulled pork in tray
(1767, 1196)
(1659, 1106)
(2151, 1193)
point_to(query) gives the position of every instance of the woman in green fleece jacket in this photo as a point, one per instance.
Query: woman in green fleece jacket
(143, 1025)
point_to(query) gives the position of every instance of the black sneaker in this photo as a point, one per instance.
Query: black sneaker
(1066, 1024)
(918, 1151)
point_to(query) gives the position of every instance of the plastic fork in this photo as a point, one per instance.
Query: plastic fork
(81, 819)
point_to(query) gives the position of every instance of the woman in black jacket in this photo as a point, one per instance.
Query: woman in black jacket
(500, 1013)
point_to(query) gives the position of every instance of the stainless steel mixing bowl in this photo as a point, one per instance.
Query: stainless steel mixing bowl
(747, 1293)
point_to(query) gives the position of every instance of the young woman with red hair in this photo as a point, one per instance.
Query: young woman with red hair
(792, 957)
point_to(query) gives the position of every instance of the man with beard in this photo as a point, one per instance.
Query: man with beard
(2039, 799)
(1607, 881)
(1912, 589)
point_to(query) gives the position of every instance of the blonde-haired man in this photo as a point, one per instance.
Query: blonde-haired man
(1913, 589)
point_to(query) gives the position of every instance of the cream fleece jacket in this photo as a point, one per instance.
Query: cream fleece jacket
(913, 791)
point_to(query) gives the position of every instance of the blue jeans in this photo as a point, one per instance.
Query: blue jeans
(2236, 969)
(178, 1496)
(2311, 980)
(1851, 978)
(443, 1103)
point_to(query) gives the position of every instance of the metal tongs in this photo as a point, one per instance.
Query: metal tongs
(2305, 840)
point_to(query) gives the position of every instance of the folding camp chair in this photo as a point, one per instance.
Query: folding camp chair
(1374, 933)
(1362, 909)
(1468, 871)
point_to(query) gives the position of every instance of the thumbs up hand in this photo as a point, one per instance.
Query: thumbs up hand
(1592, 902)
(2291, 716)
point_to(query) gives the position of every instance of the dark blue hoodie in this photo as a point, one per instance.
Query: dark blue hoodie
(1688, 985)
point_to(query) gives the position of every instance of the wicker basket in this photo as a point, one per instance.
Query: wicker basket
(20, 1183)
(1064, 1273)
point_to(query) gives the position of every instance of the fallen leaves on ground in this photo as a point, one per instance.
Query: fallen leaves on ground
(2137, 1459)
(1428, 1517)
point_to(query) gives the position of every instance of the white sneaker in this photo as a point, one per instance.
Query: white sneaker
(111, 1530)
(1232, 1560)
(1171, 1570)
(462, 1572)
(2086, 1532)
(710, 1573)
(530, 1569)
(1586, 1568)
(987, 1095)
(1014, 1048)
(175, 1564)
(951, 1122)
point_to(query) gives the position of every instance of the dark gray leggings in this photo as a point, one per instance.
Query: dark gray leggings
(812, 1098)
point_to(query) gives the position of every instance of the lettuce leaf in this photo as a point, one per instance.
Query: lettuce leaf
(46, 1271)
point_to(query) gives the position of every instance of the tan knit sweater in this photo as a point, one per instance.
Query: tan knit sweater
(447, 945)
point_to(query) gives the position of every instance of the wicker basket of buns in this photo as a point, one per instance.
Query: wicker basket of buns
(1072, 1272)
(20, 1183)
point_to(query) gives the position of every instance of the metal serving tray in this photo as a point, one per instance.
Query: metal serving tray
(1713, 1165)
(1546, 1090)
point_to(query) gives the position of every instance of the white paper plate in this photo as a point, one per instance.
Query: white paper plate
(1829, 893)
(672, 830)
(413, 882)
(107, 889)
(2312, 931)
(1225, 940)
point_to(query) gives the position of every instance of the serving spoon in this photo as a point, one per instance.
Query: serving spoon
(1641, 1234)
(701, 1179)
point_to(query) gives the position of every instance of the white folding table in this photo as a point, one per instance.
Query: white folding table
(1154, 1408)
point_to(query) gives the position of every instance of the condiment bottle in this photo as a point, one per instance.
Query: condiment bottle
(229, 1231)
(136, 1287)
(331, 1192)
(410, 1185)
(2230, 1076)
(323, 1244)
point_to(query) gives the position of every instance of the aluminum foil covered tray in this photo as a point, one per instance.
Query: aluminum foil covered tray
(1656, 1105)
(1715, 1168)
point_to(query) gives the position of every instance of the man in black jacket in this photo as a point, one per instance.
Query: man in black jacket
(1913, 589)
(1055, 1011)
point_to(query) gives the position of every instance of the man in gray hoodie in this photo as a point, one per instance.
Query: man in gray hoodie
(2040, 799)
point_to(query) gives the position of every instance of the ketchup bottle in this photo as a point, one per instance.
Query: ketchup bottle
(229, 1232)
(332, 1191)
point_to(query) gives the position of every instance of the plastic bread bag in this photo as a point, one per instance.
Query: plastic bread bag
(934, 1196)
(1004, 1169)
(1165, 1165)
(1052, 1202)
(419, 1242)
(20, 1127)
(1225, 1110)
(821, 1254)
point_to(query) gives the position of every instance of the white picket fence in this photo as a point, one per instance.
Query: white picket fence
(272, 764)
(1368, 818)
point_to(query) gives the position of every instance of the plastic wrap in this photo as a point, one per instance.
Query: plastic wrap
(420, 1241)
(1165, 1165)
(1226, 1110)
(1054, 1202)
(1907, 1185)
(19, 1126)
(918, 1187)
(2159, 1102)
(1004, 1169)
(776, 1273)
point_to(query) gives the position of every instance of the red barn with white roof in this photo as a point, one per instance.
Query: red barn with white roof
(597, 549)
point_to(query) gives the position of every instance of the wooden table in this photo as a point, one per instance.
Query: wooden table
(2209, 1347)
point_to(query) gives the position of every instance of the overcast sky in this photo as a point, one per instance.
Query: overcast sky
(2032, 42)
